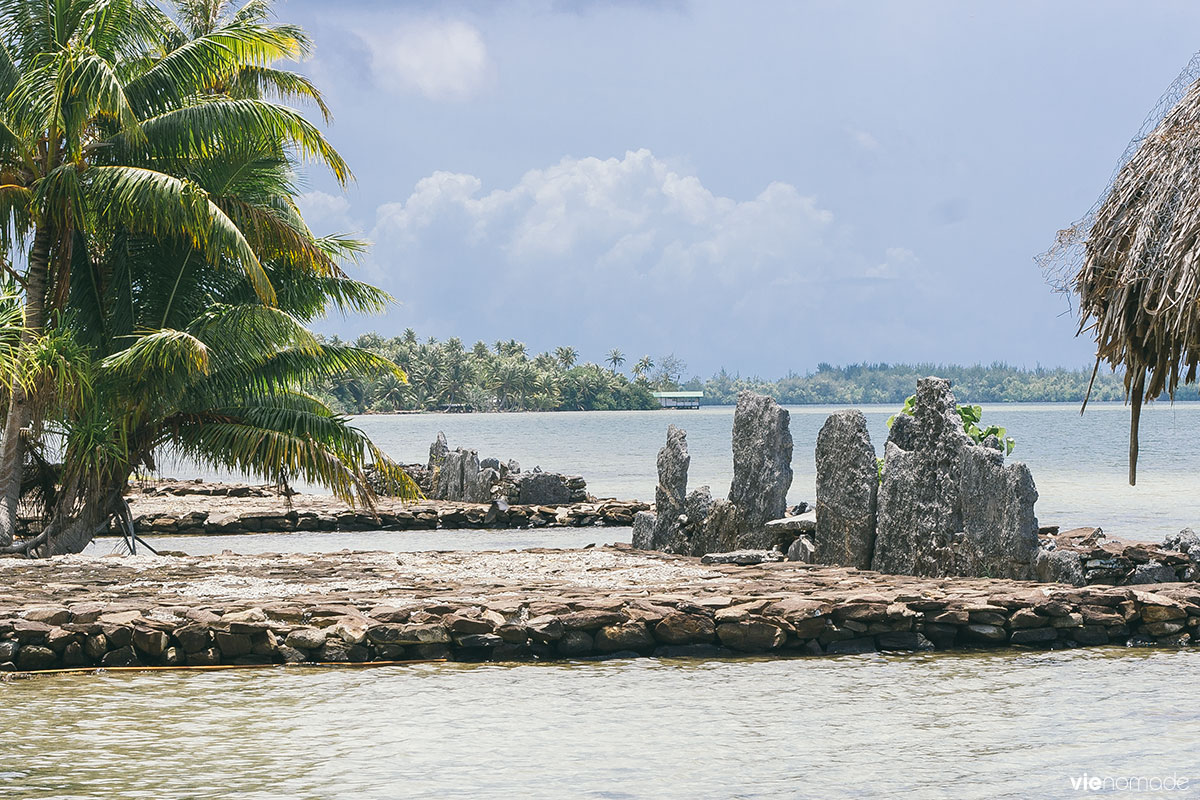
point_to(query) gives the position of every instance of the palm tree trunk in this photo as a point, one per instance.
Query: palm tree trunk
(19, 411)
(81, 515)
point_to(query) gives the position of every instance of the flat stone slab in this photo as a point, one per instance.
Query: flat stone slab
(87, 611)
(804, 523)
(742, 557)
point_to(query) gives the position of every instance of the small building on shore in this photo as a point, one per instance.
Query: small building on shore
(679, 399)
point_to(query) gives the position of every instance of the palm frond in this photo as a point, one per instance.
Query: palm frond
(252, 332)
(90, 86)
(153, 203)
(199, 64)
(255, 81)
(203, 129)
(167, 359)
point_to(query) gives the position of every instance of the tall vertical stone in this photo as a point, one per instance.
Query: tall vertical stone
(919, 509)
(847, 485)
(677, 524)
(455, 475)
(438, 452)
(948, 506)
(673, 463)
(762, 466)
(999, 526)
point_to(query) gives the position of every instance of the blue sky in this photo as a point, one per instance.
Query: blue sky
(753, 185)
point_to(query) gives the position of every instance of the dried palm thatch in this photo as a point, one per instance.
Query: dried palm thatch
(1134, 261)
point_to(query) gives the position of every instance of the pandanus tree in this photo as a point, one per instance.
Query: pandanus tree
(168, 261)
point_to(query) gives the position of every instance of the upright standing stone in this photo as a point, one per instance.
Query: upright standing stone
(678, 522)
(999, 526)
(459, 478)
(847, 485)
(919, 509)
(670, 495)
(644, 525)
(762, 466)
(438, 452)
(477, 486)
(673, 462)
(948, 506)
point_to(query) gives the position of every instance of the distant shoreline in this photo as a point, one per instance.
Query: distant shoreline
(490, 411)
(507, 376)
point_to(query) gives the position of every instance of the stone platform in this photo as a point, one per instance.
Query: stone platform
(83, 611)
(192, 508)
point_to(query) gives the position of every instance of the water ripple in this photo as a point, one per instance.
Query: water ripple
(947, 725)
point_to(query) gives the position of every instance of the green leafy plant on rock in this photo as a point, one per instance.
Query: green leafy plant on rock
(970, 416)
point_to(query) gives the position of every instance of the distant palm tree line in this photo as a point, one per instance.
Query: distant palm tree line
(503, 376)
(499, 377)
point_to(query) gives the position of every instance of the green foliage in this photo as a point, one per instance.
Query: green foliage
(860, 384)
(499, 377)
(441, 374)
(970, 416)
(144, 149)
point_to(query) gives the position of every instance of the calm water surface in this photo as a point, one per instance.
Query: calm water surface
(1009, 725)
(947, 726)
(395, 541)
(1078, 463)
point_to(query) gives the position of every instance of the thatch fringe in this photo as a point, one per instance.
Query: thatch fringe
(1138, 280)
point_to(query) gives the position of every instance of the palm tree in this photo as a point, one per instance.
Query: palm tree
(391, 393)
(505, 381)
(567, 356)
(455, 377)
(140, 160)
(546, 388)
(615, 359)
(512, 349)
(97, 109)
(642, 368)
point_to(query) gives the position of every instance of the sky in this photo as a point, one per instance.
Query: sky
(755, 186)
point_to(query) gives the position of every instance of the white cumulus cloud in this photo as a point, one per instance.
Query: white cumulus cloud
(440, 59)
(326, 213)
(626, 249)
(634, 212)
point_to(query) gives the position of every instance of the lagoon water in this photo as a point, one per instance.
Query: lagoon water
(955, 725)
(1079, 463)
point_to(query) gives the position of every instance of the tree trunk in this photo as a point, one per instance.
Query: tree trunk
(20, 414)
(74, 526)
(1135, 421)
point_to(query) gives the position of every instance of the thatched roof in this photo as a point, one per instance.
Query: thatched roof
(1138, 275)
